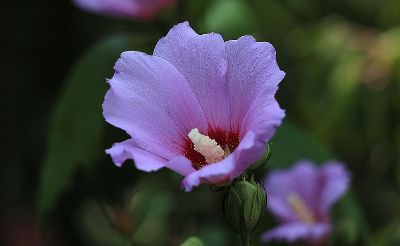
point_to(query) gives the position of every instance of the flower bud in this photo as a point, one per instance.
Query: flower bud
(244, 205)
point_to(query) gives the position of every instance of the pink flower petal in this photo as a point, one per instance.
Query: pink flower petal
(302, 179)
(150, 100)
(292, 232)
(201, 59)
(140, 9)
(336, 183)
(252, 70)
(145, 160)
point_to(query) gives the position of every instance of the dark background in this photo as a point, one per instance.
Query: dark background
(341, 93)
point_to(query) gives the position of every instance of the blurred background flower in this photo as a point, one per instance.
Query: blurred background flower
(136, 9)
(301, 198)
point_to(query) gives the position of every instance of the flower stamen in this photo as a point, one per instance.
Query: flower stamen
(300, 208)
(206, 146)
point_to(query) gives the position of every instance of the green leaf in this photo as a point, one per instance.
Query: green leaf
(94, 227)
(192, 241)
(230, 18)
(144, 220)
(387, 236)
(77, 125)
(350, 225)
(151, 209)
(216, 235)
(291, 144)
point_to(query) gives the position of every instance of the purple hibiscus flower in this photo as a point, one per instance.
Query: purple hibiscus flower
(301, 198)
(139, 9)
(200, 106)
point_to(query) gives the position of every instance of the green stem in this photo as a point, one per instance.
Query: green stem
(244, 239)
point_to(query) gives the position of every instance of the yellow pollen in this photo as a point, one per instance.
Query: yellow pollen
(206, 146)
(300, 208)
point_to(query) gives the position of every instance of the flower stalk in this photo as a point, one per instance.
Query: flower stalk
(245, 239)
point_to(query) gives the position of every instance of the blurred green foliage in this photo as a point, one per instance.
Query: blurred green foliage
(140, 218)
(341, 95)
(291, 144)
(192, 241)
(77, 126)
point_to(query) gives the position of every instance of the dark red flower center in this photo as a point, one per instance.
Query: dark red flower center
(227, 140)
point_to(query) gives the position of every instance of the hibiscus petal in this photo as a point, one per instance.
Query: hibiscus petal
(216, 173)
(301, 180)
(248, 151)
(263, 117)
(306, 183)
(295, 231)
(129, 8)
(278, 185)
(107, 6)
(145, 160)
(201, 59)
(150, 100)
(337, 182)
(252, 70)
